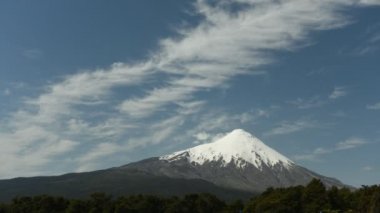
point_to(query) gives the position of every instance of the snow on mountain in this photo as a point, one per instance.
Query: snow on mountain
(238, 147)
(238, 161)
(236, 165)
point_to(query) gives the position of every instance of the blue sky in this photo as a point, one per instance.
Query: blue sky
(87, 85)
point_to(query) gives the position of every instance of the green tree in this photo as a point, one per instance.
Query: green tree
(374, 206)
(277, 200)
(100, 203)
(150, 204)
(22, 204)
(315, 197)
(235, 207)
(77, 206)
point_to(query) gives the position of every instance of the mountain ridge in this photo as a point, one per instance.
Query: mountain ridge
(237, 146)
(238, 160)
(237, 165)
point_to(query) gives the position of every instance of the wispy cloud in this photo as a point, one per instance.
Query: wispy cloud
(369, 2)
(339, 113)
(291, 127)
(7, 92)
(33, 53)
(312, 102)
(317, 71)
(319, 101)
(375, 38)
(364, 50)
(375, 106)
(213, 125)
(314, 155)
(370, 43)
(367, 168)
(350, 143)
(225, 44)
(338, 93)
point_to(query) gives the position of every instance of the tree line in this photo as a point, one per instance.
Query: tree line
(312, 198)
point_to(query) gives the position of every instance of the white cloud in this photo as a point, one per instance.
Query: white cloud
(99, 151)
(339, 113)
(368, 168)
(191, 107)
(317, 101)
(202, 58)
(370, 44)
(317, 154)
(375, 38)
(312, 102)
(321, 151)
(375, 106)
(33, 53)
(155, 100)
(364, 50)
(105, 130)
(314, 155)
(209, 125)
(351, 143)
(202, 136)
(338, 93)
(7, 92)
(369, 2)
(226, 45)
(290, 127)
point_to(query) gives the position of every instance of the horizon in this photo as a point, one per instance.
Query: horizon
(91, 85)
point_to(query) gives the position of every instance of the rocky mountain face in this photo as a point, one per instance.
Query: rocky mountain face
(238, 161)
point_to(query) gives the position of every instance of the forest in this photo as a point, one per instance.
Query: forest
(312, 198)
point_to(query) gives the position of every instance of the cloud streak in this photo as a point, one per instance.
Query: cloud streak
(225, 44)
(338, 93)
(375, 106)
(291, 127)
(312, 102)
(350, 143)
(317, 101)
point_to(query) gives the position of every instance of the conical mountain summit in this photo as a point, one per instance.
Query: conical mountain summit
(238, 160)
(235, 166)
(238, 147)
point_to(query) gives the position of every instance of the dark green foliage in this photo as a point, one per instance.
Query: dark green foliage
(374, 206)
(77, 206)
(312, 198)
(140, 204)
(201, 203)
(365, 199)
(341, 199)
(41, 204)
(100, 202)
(235, 207)
(315, 198)
(277, 200)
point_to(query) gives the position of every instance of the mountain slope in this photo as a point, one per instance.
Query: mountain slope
(238, 147)
(235, 166)
(238, 160)
(111, 181)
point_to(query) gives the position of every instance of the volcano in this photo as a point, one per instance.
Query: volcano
(235, 166)
(238, 160)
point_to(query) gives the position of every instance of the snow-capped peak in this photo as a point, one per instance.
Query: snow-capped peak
(238, 147)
